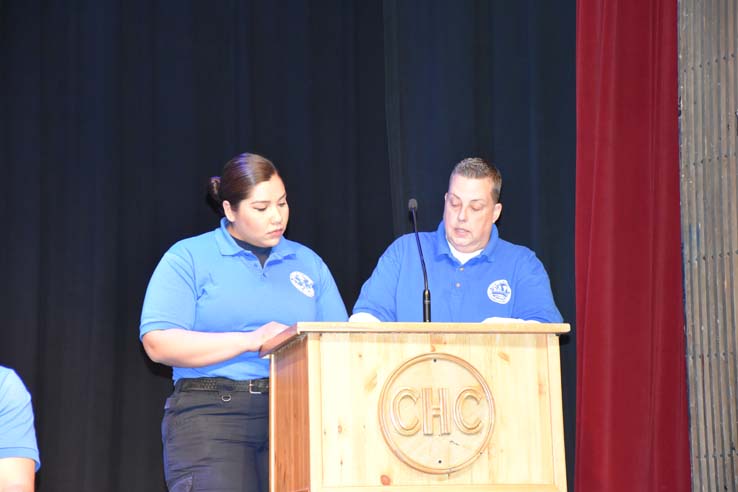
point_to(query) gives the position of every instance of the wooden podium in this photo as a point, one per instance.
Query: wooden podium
(414, 407)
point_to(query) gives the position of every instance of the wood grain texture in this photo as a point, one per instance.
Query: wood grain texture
(326, 392)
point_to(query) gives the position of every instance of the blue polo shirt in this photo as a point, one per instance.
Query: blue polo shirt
(209, 283)
(505, 280)
(17, 434)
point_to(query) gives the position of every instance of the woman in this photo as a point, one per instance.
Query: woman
(211, 303)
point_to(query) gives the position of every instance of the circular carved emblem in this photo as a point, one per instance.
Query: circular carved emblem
(436, 413)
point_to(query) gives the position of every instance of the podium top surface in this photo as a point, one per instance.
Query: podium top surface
(304, 327)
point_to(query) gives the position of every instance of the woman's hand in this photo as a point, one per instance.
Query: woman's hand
(265, 332)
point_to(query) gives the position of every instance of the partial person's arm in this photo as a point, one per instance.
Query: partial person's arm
(185, 348)
(19, 457)
(17, 474)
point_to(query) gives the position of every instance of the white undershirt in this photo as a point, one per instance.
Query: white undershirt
(463, 257)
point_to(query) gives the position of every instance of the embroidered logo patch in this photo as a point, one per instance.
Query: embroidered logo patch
(303, 283)
(499, 291)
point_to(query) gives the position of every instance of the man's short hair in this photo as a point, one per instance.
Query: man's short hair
(478, 168)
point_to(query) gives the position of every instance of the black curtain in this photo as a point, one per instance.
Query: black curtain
(114, 114)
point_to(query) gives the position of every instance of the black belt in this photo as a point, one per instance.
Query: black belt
(253, 386)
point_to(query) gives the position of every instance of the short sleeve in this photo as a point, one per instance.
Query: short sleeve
(171, 298)
(17, 433)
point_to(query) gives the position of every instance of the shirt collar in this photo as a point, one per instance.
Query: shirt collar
(442, 246)
(228, 246)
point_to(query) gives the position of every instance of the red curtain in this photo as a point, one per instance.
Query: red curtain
(632, 421)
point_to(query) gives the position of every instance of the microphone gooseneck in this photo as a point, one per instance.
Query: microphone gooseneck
(412, 205)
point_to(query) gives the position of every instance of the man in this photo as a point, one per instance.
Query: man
(19, 458)
(473, 275)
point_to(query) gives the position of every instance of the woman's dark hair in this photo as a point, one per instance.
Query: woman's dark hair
(239, 177)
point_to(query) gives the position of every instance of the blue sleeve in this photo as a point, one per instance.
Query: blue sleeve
(534, 300)
(330, 303)
(378, 294)
(17, 434)
(171, 295)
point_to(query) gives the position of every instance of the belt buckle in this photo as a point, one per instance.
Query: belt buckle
(251, 390)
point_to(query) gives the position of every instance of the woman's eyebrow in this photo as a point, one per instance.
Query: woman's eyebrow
(267, 201)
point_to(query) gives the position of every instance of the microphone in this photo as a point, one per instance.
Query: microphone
(412, 205)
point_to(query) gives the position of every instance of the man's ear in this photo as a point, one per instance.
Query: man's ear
(496, 212)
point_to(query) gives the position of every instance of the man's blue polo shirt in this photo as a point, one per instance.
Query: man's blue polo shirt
(17, 434)
(505, 280)
(209, 283)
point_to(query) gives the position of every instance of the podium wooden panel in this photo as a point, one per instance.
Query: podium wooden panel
(347, 401)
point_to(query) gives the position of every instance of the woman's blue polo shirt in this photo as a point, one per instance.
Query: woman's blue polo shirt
(208, 283)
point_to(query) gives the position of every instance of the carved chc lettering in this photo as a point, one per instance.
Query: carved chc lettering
(467, 428)
(397, 422)
(436, 413)
(430, 408)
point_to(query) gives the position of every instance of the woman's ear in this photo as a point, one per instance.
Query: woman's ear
(229, 213)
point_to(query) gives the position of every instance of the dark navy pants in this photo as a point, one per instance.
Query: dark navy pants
(216, 440)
